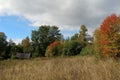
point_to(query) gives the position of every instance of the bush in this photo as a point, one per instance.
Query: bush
(54, 49)
(72, 48)
(88, 50)
(4, 55)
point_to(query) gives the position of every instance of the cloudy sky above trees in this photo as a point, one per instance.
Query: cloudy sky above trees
(68, 15)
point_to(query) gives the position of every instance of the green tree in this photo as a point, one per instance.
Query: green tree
(88, 50)
(42, 37)
(26, 45)
(3, 44)
(82, 35)
(72, 48)
(74, 37)
(9, 48)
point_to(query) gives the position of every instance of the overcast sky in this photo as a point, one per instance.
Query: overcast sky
(68, 15)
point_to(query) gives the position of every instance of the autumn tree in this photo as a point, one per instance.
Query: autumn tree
(54, 49)
(110, 36)
(97, 48)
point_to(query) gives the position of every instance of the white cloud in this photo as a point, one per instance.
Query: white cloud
(68, 14)
(17, 41)
(66, 35)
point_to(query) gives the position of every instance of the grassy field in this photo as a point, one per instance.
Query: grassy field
(73, 68)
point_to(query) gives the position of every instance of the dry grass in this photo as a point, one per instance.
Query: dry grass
(75, 68)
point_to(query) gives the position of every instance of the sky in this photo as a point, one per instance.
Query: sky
(19, 17)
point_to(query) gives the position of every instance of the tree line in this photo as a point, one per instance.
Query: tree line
(47, 41)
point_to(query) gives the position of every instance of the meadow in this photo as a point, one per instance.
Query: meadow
(61, 68)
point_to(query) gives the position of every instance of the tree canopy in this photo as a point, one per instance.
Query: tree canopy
(109, 36)
(48, 41)
(3, 44)
(42, 37)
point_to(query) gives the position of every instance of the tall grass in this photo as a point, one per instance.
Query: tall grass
(74, 68)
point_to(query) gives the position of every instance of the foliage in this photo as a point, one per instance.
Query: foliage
(3, 44)
(3, 41)
(9, 49)
(88, 50)
(43, 37)
(97, 48)
(26, 45)
(72, 48)
(110, 36)
(83, 33)
(48, 41)
(74, 37)
(54, 49)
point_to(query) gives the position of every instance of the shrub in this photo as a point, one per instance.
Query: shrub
(72, 48)
(54, 49)
(88, 50)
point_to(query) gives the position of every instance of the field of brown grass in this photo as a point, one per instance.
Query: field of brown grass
(73, 68)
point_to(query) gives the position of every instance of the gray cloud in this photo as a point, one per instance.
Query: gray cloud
(68, 14)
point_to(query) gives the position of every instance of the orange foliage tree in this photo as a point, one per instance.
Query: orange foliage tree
(54, 49)
(110, 36)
